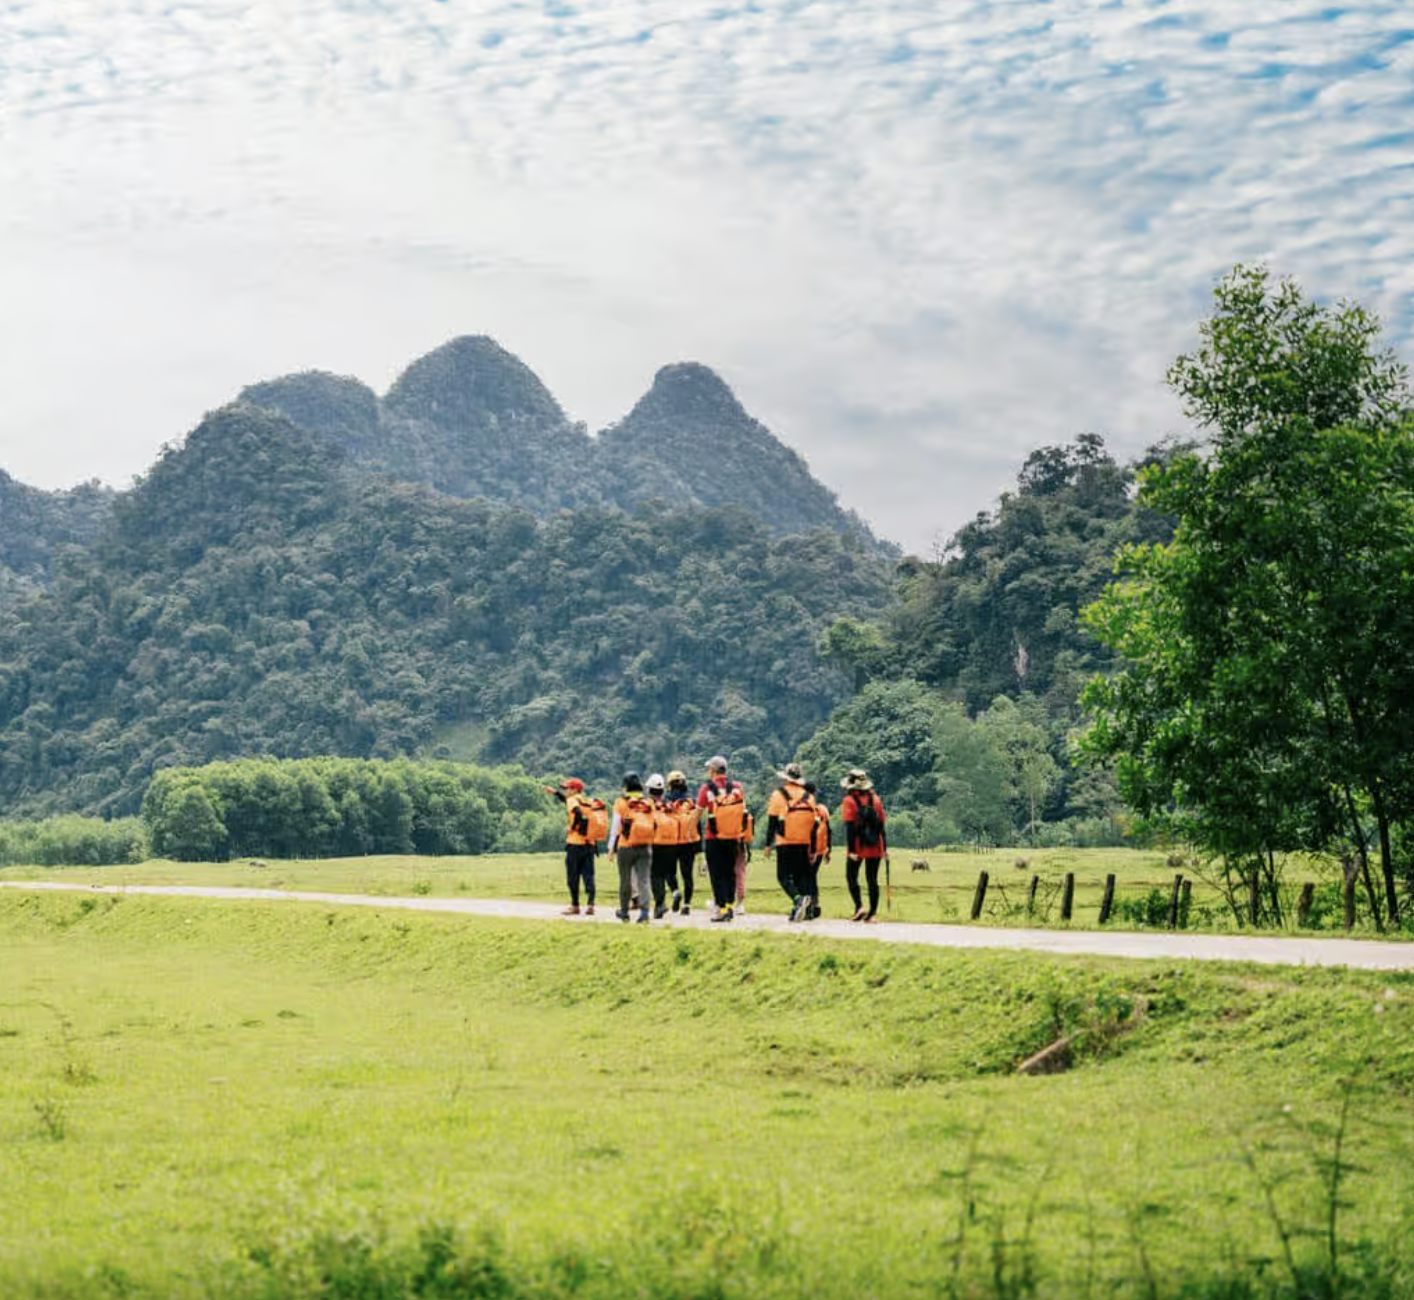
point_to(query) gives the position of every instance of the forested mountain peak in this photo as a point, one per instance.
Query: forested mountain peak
(241, 471)
(33, 523)
(472, 420)
(688, 390)
(335, 405)
(469, 382)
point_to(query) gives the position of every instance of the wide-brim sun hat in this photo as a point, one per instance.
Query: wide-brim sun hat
(856, 779)
(792, 772)
(716, 763)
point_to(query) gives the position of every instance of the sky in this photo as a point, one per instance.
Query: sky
(919, 238)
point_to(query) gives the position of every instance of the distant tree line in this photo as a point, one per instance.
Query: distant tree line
(339, 807)
(69, 840)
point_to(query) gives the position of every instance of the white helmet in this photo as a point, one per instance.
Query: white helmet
(655, 783)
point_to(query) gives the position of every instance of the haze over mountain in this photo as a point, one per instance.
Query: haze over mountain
(472, 420)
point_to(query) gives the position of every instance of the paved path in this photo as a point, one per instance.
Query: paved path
(1359, 953)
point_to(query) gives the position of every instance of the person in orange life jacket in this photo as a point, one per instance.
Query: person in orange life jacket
(580, 848)
(680, 803)
(866, 843)
(790, 830)
(665, 844)
(724, 802)
(819, 850)
(631, 841)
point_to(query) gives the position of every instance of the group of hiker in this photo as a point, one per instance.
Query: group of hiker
(656, 829)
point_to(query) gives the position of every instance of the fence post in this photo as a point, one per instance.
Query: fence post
(980, 896)
(1108, 901)
(1185, 903)
(1173, 901)
(1031, 894)
(1304, 903)
(1068, 896)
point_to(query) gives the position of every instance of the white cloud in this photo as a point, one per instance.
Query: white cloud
(963, 229)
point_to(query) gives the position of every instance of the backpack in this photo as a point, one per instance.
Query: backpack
(666, 827)
(868, 824)
(727, 815)
(638, 824)
(689, 817)
(596, 817)
(798, 824)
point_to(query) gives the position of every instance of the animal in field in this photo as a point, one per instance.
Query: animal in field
(919, 864)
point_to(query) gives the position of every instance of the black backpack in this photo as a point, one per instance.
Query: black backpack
(868, 825)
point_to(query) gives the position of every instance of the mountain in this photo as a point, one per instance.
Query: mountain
(260, 591)
(472, 420)
(34, 524)
(688, 438)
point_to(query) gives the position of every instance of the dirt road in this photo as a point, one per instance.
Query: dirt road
(1279, 951)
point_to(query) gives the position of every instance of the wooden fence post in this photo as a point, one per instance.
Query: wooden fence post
(980, 896)
(1108, 901)
(1173, 901)
(1068, 896)
(1185, 903)
(1031, 894)
(1304, 904)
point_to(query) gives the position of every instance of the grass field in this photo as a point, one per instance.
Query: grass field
(258, 1100)
(943, 893)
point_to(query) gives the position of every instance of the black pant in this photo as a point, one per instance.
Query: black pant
(663, 871)
(686, 861)
(579, 865)
(793, 869)
(871, 868)
(721, 870)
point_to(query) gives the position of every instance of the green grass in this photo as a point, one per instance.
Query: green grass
(240, 1100)
(943, 893)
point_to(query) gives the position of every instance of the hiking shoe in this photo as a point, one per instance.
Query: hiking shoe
(677, 900)
(659, 912)
(621, 914)
(741, 907)
(871, 919)
(814, 913)
(687, 909)
(589, 911)
(572, 910)
(643, 917)
(725, 914)
(801, 910)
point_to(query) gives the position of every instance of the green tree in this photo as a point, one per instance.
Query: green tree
(1018, 731)
(1268, 650)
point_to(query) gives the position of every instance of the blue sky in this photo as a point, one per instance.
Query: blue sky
(918, 238)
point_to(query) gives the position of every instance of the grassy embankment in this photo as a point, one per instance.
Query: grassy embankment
(943, 893)
(257, 1100)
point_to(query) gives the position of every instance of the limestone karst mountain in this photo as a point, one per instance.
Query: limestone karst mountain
(472, 420)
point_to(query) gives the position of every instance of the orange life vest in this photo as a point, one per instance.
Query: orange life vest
(727, 815)
(666, 827)
(637, 822)
(596, 813)
(798, 820)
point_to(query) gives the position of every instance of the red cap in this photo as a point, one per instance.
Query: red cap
(575, 784)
